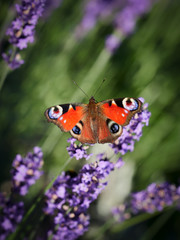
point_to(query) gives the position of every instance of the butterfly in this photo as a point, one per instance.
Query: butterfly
(100, 122)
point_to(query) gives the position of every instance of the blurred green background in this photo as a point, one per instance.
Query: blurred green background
(147, 65)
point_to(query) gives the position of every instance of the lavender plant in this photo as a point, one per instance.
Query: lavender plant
(22, 30)
(70, 197)
(155, 198)
(25, 173)
(122, 15)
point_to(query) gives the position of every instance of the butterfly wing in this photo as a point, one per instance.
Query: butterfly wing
(65, 116)
(72, 118)
(91, 123)
(113, 114)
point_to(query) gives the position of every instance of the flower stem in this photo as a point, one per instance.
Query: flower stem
(4, 72)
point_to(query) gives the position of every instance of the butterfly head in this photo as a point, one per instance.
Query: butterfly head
(92, 100)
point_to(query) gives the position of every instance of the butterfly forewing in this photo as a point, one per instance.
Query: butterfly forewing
(65, 116)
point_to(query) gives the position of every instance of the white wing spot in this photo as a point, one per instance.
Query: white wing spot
(123, 115)
(125, 111)
(64, 121)
(61, 118)
(70, 107)
(113, 103)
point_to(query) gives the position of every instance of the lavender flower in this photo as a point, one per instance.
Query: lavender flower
(22, 29)
(77, 151)
(49, 7)
(121, 14)
(112, 42)
(26, 170)
(155, 198)
(121, 213)
(70, 197)
(132, 132)
(13, 62)
(10, 216)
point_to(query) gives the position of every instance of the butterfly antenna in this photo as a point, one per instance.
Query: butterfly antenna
(80, 88)
(100, 86)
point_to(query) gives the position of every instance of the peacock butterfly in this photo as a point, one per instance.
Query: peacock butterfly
(94, 122)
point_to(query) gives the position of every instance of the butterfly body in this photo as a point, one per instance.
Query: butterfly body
(94, 122)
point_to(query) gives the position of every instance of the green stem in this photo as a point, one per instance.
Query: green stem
(154, 228)
(3, 74)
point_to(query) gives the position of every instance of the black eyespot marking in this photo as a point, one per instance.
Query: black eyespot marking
(110, 103)
(74, 106)
(114, 128)
(81, 122)
(76, 130)
(65, 108)
(128, 101)
(56, 110)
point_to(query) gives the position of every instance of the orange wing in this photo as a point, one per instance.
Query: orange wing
(65, 116)
(73, 118)
(113, 114)
(121, 110)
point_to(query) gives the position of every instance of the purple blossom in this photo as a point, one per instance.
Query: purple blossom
(13, 62)
(49, 7)
(155, 198)
(68, 200)
(22, 29)
(26, 170)
(77, 151)
(112, 42)
(122, 15)
(120, 213)
(132, 132)
(11, 214)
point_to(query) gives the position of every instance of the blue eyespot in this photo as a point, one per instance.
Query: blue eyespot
(130, 104)
(76, 130)
(114, 128)
(55, 112)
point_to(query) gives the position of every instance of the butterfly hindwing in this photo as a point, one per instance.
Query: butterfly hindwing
(83, 130)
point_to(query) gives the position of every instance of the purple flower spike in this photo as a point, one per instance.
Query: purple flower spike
(132, 132)
(11, 215)
(71, 195)
(26, 170)
(122, 15)
(120, 213)
(21, 31)
(15, 62)
(112, 43)
(77, 151)
(155, 198)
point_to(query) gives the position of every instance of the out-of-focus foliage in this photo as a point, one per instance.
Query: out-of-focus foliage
(146, 65)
